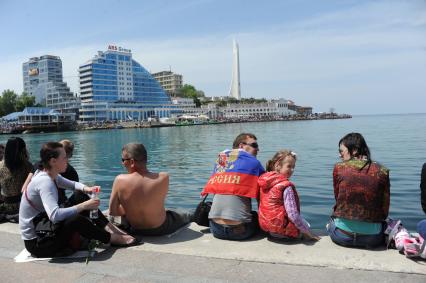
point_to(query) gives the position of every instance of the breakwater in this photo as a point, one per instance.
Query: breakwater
(157, 124)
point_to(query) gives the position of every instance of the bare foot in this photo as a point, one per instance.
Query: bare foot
(121, 240)
(111, 228)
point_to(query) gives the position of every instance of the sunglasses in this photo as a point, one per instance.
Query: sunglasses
(125, 159)
(254, 145)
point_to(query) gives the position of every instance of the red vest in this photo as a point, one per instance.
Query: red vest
(272, 214)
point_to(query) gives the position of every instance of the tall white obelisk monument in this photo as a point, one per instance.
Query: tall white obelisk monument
(235, 90)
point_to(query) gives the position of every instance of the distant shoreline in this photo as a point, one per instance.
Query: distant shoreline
(156, 124)
(111, 125)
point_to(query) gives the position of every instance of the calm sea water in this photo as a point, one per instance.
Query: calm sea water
(188, 153)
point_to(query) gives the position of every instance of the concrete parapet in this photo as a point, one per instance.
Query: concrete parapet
(197, 241)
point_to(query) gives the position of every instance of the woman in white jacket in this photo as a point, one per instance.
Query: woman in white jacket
(41, 195)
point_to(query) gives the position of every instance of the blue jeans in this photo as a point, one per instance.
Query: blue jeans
(354, 240)
(421, 228)
(233, 232)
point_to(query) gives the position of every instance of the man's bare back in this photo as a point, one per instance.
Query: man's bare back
(140, 197)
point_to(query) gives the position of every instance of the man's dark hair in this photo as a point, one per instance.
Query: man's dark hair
(242, 138)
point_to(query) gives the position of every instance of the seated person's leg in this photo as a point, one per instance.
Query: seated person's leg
(85, 228)
(173, 222)
(243, 231)
(218, 230)
(79, 197)
(233, 232)
(421, 228)
(46, 248)
(371, 241)
(337, 236)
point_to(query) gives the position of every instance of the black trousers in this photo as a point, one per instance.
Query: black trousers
(80, 223)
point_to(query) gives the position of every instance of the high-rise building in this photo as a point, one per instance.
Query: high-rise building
(43, 79)
(113, 86)
(235, 90)
(170, 82)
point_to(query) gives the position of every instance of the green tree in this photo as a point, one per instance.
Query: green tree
(190, 91)
(222, 103)
(252, 100)
(233, 100)
(7, 102)
(24, 100)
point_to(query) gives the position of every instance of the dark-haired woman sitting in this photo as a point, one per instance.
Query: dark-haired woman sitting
(421, 226)
(41, 195)
(13, 171)
(362, 193)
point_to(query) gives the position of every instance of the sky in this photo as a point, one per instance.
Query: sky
(356, 57)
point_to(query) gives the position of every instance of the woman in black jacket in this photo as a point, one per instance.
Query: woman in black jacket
(421, 226)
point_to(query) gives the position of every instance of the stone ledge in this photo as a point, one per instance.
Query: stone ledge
(194, 241)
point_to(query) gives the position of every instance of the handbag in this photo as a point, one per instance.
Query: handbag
(201, 214)
(44, 228)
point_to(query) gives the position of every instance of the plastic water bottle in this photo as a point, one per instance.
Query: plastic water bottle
(94, 195)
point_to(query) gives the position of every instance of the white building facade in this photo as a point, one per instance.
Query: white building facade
(272, 108)
(185, 106)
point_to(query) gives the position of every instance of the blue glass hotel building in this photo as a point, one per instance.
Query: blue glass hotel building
(113, 86)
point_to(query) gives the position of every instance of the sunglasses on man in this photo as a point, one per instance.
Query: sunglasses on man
(254, 145)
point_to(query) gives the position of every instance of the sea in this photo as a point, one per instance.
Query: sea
(188, 155)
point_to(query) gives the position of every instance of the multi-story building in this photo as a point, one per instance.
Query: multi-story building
(43, 79)
(170, 82)
(113, 86)
(304, 110)
(272, 108)
(185, 105)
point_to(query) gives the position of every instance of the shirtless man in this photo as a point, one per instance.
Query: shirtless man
(139, 196)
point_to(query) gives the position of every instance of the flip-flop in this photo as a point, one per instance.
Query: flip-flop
(135, 242)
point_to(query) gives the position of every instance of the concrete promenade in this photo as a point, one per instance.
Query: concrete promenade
(192, 255)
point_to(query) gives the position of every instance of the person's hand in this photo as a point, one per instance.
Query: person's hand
(89, 190)
(27, 181)
(90, 204)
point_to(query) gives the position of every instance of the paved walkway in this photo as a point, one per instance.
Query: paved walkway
(194, 256)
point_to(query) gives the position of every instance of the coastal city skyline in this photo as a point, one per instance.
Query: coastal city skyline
(358, 57)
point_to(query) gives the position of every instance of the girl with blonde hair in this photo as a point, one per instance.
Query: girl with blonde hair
(279, 209)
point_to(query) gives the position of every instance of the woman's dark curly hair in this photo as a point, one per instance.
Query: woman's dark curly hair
(357, 147)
